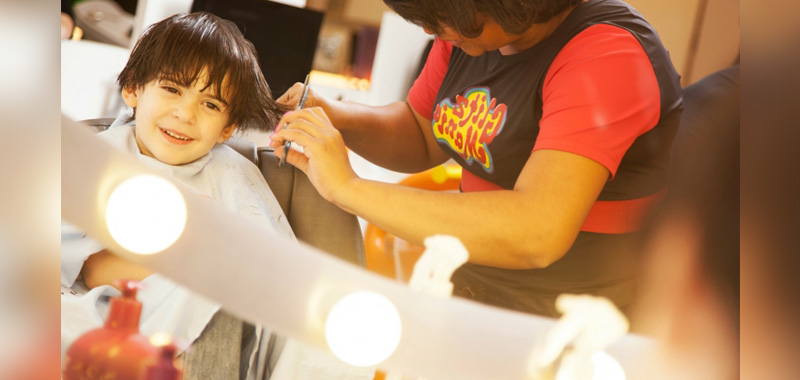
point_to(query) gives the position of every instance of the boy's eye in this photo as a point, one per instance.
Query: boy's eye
(213, 106)
(171, 89)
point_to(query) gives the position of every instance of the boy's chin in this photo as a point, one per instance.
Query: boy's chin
(173, 160)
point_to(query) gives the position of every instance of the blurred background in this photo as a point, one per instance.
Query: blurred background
(347, 42)
(702, 36)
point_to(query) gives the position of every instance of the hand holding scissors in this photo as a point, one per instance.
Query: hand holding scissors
(287, 144)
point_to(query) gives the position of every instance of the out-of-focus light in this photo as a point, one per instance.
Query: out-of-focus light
(160, 339)
(145, 214)
(606, 367)
(363, 328)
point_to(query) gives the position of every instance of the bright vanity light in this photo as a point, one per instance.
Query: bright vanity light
(145, 214)
(363, 328)
(606, 367)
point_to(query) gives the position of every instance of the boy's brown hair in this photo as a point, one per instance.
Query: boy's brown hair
(180, 47)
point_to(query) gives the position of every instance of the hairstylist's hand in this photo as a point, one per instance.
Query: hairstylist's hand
(324, 158)
(292, 96)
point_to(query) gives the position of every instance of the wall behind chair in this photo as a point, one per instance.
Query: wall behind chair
(152, 11)
(702, 36)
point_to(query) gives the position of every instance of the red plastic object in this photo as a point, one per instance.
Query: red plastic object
(394, 257)
(116, 350)
(164, 368)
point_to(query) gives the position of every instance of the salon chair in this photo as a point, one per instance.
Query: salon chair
(314, 220)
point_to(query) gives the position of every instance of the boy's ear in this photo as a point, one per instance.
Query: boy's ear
(130, 97)
(227, 132)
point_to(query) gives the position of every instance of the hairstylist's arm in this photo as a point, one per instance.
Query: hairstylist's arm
(531, 226)
(393, 136)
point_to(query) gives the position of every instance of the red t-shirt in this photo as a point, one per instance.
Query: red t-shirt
(601, 86)
(599, 95)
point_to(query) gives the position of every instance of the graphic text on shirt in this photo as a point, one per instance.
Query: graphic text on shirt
(470, 125)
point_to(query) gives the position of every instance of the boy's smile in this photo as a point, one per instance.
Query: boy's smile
(176, 124)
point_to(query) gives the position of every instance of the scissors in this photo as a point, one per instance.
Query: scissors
(288, 144)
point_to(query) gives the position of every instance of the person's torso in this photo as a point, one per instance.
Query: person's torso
(486, 117)
(487, 111)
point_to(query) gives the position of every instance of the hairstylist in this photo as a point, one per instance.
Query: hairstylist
(561, 113)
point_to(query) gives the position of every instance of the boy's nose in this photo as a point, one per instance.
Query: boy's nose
(184, 112)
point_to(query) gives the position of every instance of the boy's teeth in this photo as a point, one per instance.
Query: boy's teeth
(176, 136)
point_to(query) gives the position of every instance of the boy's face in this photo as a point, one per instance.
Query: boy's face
(176, 124)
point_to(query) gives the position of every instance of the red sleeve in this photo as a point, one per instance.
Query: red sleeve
(423, 93)
(599, 95)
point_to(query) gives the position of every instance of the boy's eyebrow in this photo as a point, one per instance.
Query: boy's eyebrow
(214, 95)
(211, 92)
(217, 98)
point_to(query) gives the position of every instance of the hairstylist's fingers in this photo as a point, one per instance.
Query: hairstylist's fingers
(296, 158)
(324, 156)
(313, 114)
(310, 148)
(299, 131)
(313, 121)
(314, 140)
(320, 113)
(292, 96)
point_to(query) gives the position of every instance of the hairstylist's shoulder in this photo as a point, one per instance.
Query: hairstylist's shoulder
(442, 46)
(603, 51)
(423, 93)
(611, 65)
(619, 96)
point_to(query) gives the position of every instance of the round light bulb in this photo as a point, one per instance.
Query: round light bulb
(145, 214)
(606, 367)
(363, 328)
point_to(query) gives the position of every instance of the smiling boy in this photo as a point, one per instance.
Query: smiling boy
(177, 124)
(191, 81)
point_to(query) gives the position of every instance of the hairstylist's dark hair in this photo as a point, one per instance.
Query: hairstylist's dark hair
(180, 47)
(466, 16)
